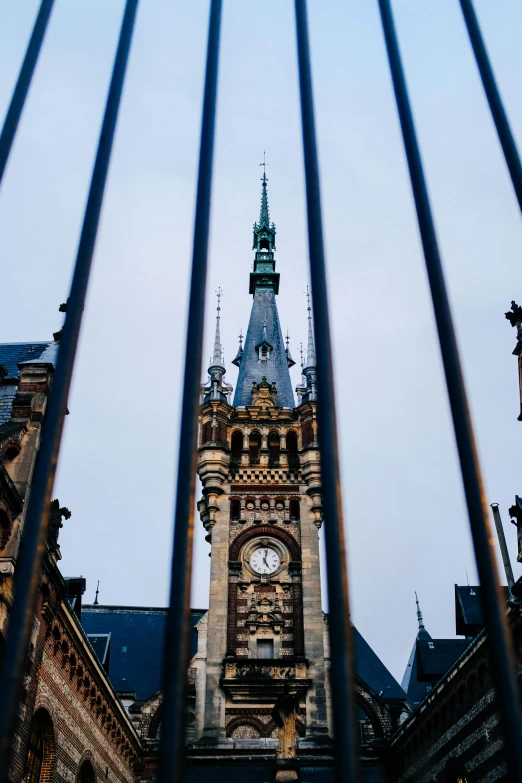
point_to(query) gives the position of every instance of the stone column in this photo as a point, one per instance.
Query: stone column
(316, 715)
(214, 725)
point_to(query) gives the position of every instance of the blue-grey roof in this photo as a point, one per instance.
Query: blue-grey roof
(137, 636)
(468, 610)
(264, 311)
(13, 354)
(370, 668)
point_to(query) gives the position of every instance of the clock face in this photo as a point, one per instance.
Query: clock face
(264, 560)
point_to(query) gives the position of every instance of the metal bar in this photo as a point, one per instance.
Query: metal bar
(340, 627)
(493, 95)
(29, 566)
(16, 107)
(503, 547)
(493, 604)
(176, 650)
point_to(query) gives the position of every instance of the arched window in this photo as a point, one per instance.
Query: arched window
(235, 510)
(5, 528)
(86, 773)
(41, 750)
(307, 433)
(254, 445)
(291, 448)
(295, 510)
(274, 446)
(236, 445)
(245, 731)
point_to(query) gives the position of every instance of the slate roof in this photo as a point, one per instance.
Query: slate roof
(136, 642)
(12, 354)
(137, 636)
(370, 668)
(436, 657)
(264, 311)
(468, 611)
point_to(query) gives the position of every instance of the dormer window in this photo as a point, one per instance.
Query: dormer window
(264, 350)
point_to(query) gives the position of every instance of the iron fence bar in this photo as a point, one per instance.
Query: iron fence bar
(176, 647)
(16, 107)
(29, 566)
(496, 106)
(493, 602)
(340, 627)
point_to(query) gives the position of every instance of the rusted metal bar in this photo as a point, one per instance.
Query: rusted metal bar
(23, 83)
(29, 566)
(340, 627)
(171, 763)
(493, 604)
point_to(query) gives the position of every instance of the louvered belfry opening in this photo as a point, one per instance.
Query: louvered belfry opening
(347, 727)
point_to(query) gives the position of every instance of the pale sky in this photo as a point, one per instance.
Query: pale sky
(407, 526)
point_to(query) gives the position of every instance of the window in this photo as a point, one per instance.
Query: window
(295, 510)
(308, 433)
(206, 432)
(254, 445)
(86, 774)
(265, 648)
(35, 751)
(274, 446)
(291, 448)
(41, 750)
(235, 510)
(236, 445)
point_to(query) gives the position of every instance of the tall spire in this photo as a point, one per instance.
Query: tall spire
(422, 632)
(310, 353)
(307, 392)
(217, 358)
(264, 354)
(419, 613)
(264, 215)
(217, 389)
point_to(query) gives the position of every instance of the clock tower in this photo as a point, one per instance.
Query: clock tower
(261, 507)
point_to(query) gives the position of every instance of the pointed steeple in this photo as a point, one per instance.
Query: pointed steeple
(217, 357)
(308, 390)
(217, 388)
(310, 353)
(422, 632)
(264, 354)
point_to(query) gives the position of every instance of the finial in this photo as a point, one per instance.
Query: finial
(264, 164)
(97, 591)
(240, 339)
(419, 613)
(302, 357)
(287, 338)
(514, 315)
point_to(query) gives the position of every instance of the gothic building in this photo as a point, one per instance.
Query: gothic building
(92, 701)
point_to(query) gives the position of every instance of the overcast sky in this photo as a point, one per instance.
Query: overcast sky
(406, 521)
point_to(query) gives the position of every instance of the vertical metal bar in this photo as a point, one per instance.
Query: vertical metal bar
(29, 565)
(503, 660)
(175, 662)
(21, 89)
(340, 627)
(493, 95)
(503, 547)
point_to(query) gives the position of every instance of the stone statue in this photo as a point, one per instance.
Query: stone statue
(284, 716)
(55, 523)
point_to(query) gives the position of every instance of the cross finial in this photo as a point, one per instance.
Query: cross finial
(287, 338)
(302, 357)
(264, 164)
(219, 294)
(308, 300)
(240, 339)
(97, 591)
